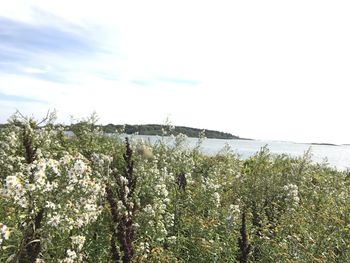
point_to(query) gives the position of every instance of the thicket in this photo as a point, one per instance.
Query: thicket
(96, 198)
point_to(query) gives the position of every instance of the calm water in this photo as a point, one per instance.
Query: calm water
(337, 156)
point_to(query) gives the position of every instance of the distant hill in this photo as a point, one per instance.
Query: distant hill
(156, 129)
(323, 143)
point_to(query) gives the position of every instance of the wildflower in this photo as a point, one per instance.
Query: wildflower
(161, 190)
(79, 167)
(121, 206)
(123, 180)
(217, 199)
(292, 194)
(22, 202)
(78, 241)
(171, 239)
(144, 247)
(233, 215)
(50, 205)
(72, 255)
(127, 191)
(149, 210)
(12, 182)
(4, 233)
(55, 220)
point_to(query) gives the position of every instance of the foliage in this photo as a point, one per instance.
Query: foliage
(89, 197)
(156, 129)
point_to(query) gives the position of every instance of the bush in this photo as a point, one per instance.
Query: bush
(90, 197)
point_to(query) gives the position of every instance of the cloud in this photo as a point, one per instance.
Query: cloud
(166, 80)
(45, 38)
(141, 82)
(47, 51)
(181, 81)
(16, 98)
(265, 73)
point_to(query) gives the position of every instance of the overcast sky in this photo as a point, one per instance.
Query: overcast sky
(275, 70)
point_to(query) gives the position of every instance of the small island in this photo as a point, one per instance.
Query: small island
(156, 129)
(323, 144)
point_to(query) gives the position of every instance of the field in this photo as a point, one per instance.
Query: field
(95, 198)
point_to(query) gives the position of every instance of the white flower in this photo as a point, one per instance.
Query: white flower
(124, 180)
(55, 220)
(50, 205)
(4, 232)
(172, 239)
(121, 206)
(234, 209)
(71, 254)
(79, 167)
(12, 182)
(161, 190)
(144, 247)
(234, 213)
(127, 191)
(30, 187)
(149, 210)
(292, 193)
(78, 241)
(23, 202)
(216, 196)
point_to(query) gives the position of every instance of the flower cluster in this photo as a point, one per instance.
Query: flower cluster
(72, 257)
(88, 197)
(47, 186)
(292, 194)
(157, 211)
(233, 213)
(15, 190)
(88, 190)
(4, 233)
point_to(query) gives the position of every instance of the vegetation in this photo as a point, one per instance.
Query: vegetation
(155, 129)
(95, 198)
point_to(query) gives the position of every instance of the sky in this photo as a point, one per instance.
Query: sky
(268, 70)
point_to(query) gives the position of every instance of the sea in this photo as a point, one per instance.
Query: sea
(336, 156)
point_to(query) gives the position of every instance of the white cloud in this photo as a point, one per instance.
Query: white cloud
(31, 70)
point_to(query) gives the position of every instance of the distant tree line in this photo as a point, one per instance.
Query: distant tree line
(156, 129)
